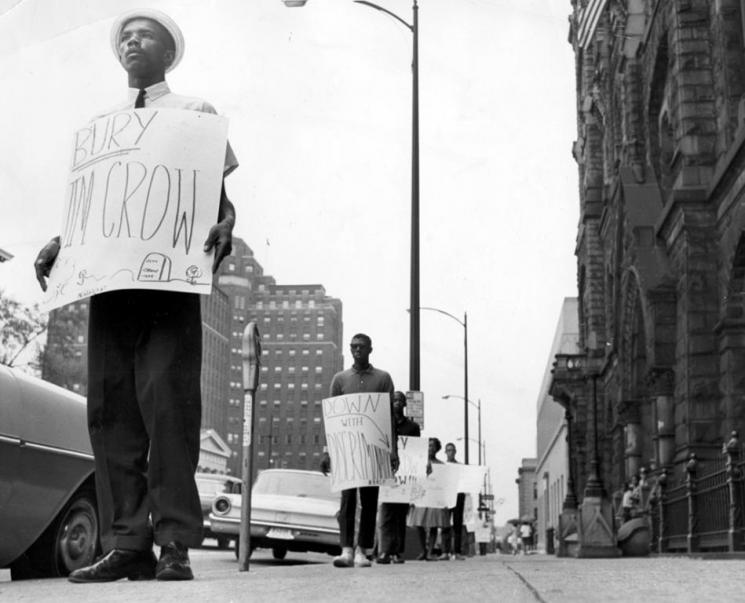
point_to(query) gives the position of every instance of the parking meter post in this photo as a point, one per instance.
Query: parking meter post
(251, 353)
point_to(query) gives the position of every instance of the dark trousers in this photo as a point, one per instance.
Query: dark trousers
(144, 413)
(393, 528)
(368, 510)
(452, 537)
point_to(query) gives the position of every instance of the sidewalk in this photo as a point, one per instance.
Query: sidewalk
(522, 579)
(218, 580)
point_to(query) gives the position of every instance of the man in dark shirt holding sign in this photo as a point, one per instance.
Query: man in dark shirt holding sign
(361, 378)
(144, 363)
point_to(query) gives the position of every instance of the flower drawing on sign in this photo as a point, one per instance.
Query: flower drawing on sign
(193, 273)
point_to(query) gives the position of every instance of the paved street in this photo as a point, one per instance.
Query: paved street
(491, 578)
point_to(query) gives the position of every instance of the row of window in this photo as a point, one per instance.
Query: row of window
(291, 352)
(285, 304)
(303, 386)
(277, 319)
(288, 453)
(281, 336)
(291, 369)
(235, 438)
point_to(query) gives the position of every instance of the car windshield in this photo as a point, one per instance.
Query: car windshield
(295, 484)
(217, 485)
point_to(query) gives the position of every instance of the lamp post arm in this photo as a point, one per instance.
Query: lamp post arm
(386, 11)
(455, 318)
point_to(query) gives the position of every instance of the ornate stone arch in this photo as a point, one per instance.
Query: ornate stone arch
(634, 362)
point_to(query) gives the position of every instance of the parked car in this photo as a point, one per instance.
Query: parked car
(48, 521)
(291, 510)
(211, 485)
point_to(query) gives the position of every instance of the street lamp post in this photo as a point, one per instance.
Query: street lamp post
(465, 434)
(413, 27)
(414, 358)
(463, 323)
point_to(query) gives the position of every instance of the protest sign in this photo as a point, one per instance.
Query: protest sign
(142, 194)
(358, 435)
(440, 487)
(471, 478)
(406, 484)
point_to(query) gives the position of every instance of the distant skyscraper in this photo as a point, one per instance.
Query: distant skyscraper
(301, 332)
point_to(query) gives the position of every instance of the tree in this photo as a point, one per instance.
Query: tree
(20, 325)
(64, 358)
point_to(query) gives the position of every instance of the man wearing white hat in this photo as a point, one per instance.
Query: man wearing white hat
(144, 363)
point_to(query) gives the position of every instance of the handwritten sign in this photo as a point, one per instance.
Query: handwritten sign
(406, 486)
(440, 487)
(358, 435)
(471, 478)
(142, 194)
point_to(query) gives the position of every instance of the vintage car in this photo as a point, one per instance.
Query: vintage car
(48, 521)
(291, 510)
(211, 485)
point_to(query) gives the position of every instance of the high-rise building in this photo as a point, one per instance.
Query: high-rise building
(301, 332)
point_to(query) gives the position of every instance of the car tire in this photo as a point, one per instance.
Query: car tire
(279, 552)
(223, 542)
(71, 541)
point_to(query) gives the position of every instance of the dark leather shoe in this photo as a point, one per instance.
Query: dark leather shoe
(385, 559)
(117, 564)
(397, 559)
(174, 563)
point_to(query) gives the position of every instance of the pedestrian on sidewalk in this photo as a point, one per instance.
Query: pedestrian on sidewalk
(144, 363)
(427, 520)
(362, 377)
(452, 536)
(393, 515)
(526, 536)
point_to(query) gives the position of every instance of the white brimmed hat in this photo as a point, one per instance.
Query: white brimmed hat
(154, 15)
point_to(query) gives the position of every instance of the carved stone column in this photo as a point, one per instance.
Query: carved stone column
(661, 382)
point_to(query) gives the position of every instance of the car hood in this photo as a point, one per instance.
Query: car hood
(36, 411)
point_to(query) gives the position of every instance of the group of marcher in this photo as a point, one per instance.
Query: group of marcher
(144, 399)
(392, 519)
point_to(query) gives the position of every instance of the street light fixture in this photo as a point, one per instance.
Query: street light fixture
(478, 407)
(413, 27)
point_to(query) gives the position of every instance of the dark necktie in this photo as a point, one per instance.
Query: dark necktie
(140, 102)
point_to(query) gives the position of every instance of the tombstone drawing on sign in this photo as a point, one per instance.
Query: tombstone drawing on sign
(155, 267)
(358, 437)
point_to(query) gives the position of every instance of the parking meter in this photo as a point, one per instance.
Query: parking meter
(251, 354)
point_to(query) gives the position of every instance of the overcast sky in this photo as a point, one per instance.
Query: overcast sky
(319, 102)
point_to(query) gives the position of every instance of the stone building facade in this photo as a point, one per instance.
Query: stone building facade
(660, 148)
(526, 489)
(551, 434)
